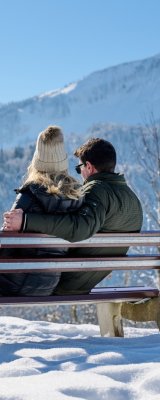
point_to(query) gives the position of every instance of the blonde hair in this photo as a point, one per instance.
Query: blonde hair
(55, 183)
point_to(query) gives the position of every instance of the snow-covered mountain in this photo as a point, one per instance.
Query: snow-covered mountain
(124, 94)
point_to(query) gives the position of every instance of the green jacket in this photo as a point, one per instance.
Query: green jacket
(109, 206)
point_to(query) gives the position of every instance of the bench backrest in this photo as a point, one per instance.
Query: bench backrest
(131, 262)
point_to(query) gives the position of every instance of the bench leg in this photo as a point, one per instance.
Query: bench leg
(158, 319)
(110, 320)
(143, 311)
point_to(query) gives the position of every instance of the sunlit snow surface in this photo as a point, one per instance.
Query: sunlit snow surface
(47, 361)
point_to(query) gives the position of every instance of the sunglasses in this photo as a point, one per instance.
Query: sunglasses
(78, 168)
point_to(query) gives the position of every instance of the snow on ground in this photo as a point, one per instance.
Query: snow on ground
(47, 361)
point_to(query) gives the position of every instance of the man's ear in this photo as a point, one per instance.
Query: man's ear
(91, 168)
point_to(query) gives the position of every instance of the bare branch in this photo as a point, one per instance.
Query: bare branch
(149, 161)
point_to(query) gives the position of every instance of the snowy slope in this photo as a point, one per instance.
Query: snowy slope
(123, 94)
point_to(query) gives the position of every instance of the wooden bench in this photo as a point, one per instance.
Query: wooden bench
(113, 303)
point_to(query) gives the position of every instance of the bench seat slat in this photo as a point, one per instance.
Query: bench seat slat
(96, 296)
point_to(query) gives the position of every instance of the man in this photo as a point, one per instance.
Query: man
(110, 206)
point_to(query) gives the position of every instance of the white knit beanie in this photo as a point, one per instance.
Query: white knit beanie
(50, 155)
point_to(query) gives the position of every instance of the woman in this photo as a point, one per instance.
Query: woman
(49, 189)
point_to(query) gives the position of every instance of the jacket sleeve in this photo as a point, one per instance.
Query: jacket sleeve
(76, 226)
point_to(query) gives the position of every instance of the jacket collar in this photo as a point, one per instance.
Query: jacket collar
(110, 177)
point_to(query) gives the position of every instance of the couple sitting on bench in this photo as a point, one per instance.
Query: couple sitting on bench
(52, 202)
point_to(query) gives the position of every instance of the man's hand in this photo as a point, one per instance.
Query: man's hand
(13, 220)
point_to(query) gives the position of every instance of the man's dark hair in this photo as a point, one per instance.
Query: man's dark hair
(98, 152)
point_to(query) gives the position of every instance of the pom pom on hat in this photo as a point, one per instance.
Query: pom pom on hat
(50, 155)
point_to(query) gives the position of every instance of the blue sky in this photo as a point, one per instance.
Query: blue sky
(47, 44)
